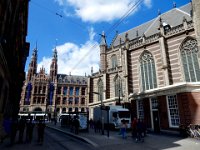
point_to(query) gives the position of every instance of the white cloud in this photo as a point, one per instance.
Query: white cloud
(147, 3)
(60, 2)
(77, 59)
(45, 63)
(100, 10)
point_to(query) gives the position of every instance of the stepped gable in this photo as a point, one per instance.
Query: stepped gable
(173, 17)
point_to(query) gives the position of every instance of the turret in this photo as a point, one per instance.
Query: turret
(33, 65)
(103, 47)
(196, 19)
(54, 66)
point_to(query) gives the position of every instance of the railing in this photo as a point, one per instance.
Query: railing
(175, 30)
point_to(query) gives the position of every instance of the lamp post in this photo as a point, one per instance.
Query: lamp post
(119, 95)
(102, 118)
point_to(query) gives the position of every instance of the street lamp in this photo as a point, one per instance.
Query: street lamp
(119, 96)
(102, 118)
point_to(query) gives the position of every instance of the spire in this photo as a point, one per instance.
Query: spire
(55, 53)
(91, 70)
(174, 4)
(34, 55)
(33, 64)
(103, 39)
(159, 13)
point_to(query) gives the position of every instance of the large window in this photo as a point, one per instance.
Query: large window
(148, 71)
(189, 56)
(118, 87)
(173, 112)
(70, 100)
(71, 91)
(140, 109)
(114, 61)
(100, 90)
(77, 91)
(76, 100)
(64, 90)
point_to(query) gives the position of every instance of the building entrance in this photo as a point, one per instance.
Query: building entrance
(156, 121)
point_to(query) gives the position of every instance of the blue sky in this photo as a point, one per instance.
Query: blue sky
(75, 26)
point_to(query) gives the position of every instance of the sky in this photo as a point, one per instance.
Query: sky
(74, 27)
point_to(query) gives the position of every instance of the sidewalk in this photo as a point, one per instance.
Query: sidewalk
(95, 139)
(115, 141)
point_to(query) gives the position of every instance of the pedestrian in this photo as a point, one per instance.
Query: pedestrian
(139, 131)
(2, 129)
(41, 126)
(76, 125)
(91, 123)
(13, 130)
(134, 127)
(21, 127)
(98, 126)
(29, 131)
(123, 129)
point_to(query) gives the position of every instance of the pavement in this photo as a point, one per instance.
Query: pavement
(116, 142)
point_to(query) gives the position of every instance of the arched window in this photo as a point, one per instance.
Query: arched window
(82, 110)
(100, 90)
(63, 110)
(114, 61)
(118, 86)
(76, 109)
(148, 71)
(190, 62)
(70, 110)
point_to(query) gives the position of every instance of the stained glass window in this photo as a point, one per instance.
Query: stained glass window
(190, 62)
(148, 71)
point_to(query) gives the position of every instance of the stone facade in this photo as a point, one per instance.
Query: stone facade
(157, 64)
(53, 93)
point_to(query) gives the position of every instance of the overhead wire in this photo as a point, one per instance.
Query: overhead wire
(133, 4)
(111, 29)
(57, 14)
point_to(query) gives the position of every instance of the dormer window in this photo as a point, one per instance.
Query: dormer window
(166, 26)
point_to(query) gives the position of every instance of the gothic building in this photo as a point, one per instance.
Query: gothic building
(153, 69)
(52, 93)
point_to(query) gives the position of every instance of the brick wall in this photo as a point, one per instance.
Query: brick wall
(163, 112)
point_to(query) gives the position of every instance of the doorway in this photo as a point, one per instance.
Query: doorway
(156, 121)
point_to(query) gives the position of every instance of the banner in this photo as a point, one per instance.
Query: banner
(28, 92)
(51, 94)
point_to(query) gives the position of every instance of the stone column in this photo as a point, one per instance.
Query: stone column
(126, 73)
(104, 86)
(196, 19)
(164, 60)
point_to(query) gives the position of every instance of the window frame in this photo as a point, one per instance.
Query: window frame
(148, 76)
(169, 112)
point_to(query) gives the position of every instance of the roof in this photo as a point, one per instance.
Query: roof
(173, 17)
(74, 79)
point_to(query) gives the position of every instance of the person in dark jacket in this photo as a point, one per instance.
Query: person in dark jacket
(21, 127)
(29, 131)
(41, 126)
(76, 125)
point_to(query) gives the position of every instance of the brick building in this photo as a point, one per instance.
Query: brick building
(14, 50)
(153, 69)
(52, 93)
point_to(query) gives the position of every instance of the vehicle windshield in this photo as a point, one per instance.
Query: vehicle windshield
(124, 114)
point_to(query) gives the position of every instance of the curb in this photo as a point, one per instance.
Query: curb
(75, 136)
